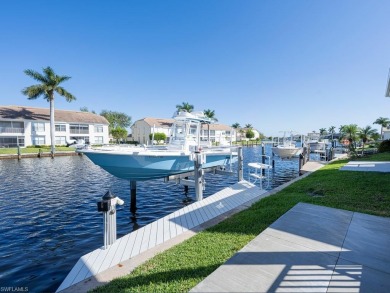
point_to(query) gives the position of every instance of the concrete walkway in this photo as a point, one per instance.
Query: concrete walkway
(366, 166)
(310, 249)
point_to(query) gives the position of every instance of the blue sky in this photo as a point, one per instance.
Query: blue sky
(278, 65)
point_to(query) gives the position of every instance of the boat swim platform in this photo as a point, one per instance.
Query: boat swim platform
(190, 218)
(310, 249)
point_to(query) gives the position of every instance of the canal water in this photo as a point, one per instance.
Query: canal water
(49, 218)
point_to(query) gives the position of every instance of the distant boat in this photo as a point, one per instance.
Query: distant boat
(144, 163)
(287, 149)
(316, 145)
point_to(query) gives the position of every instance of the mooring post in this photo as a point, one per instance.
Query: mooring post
(133, 196)
(304, 153)
(19, 154)
(273, 161)
(186, 186)
(301, 158)
(198, 174)
(263, 157)
(240, 165)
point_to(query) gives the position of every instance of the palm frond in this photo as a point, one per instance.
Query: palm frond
(34, 91)
(36, 75)
(62, 78)
(62, 92)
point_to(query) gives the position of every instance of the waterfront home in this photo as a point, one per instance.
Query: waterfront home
(25, 126)
(142, 128)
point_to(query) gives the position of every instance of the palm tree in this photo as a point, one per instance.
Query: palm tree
(366, 134)
(249, 126)
(211, 115)
(185, 107)
(331, 130)
(383, 122)
(236, 126)
(349, 132)
(49, 83)
(322, 131)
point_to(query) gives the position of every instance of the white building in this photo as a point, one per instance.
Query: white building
(141, 129)
(386, 132)
(25, 126)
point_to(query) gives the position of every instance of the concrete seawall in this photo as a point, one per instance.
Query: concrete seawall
(37, 155)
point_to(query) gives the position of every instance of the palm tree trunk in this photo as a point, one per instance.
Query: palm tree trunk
(52, 128)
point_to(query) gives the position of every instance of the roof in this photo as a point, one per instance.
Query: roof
(167, 123)
(158, 122)
(30, 113)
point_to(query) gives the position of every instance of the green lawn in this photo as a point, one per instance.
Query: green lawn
(185, 265)
(14, 151)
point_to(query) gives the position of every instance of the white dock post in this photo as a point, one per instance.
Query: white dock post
(198, 174)
(240, 165)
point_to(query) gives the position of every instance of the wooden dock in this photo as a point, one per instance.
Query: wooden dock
(162, 230)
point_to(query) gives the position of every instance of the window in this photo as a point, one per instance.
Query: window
(11, 127)
(11, 142)
(98, 128)
(228, 133)
(38, 140)
(60, 127)
(79, 128)
(99, 139)
(60, 140)
(38, 126)
(212, 132)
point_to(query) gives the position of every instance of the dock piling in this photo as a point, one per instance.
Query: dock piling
(240, 165)
(133, 196)
(198, 174)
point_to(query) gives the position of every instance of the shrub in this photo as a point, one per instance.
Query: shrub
(384, 146)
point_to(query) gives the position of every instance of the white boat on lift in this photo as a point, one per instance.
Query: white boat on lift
(144, 163)
(287, 149)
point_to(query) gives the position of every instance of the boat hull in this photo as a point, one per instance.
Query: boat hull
(146, 167)
(286, 152)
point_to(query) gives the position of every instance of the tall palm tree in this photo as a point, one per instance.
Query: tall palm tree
(366, 134)
(383, 122)
(331, 130)
(349, 132)
(236, 126)
(322, 131)
(185, 107)
(211, 115)
(49, 83)
(341, 128)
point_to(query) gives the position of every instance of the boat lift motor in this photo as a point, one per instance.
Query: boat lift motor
(108, 207)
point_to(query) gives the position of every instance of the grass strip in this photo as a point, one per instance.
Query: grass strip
(185, 265)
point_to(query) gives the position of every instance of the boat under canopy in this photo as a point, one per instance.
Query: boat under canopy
(144, 163)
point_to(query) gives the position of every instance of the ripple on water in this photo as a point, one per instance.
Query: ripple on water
(48, 215)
